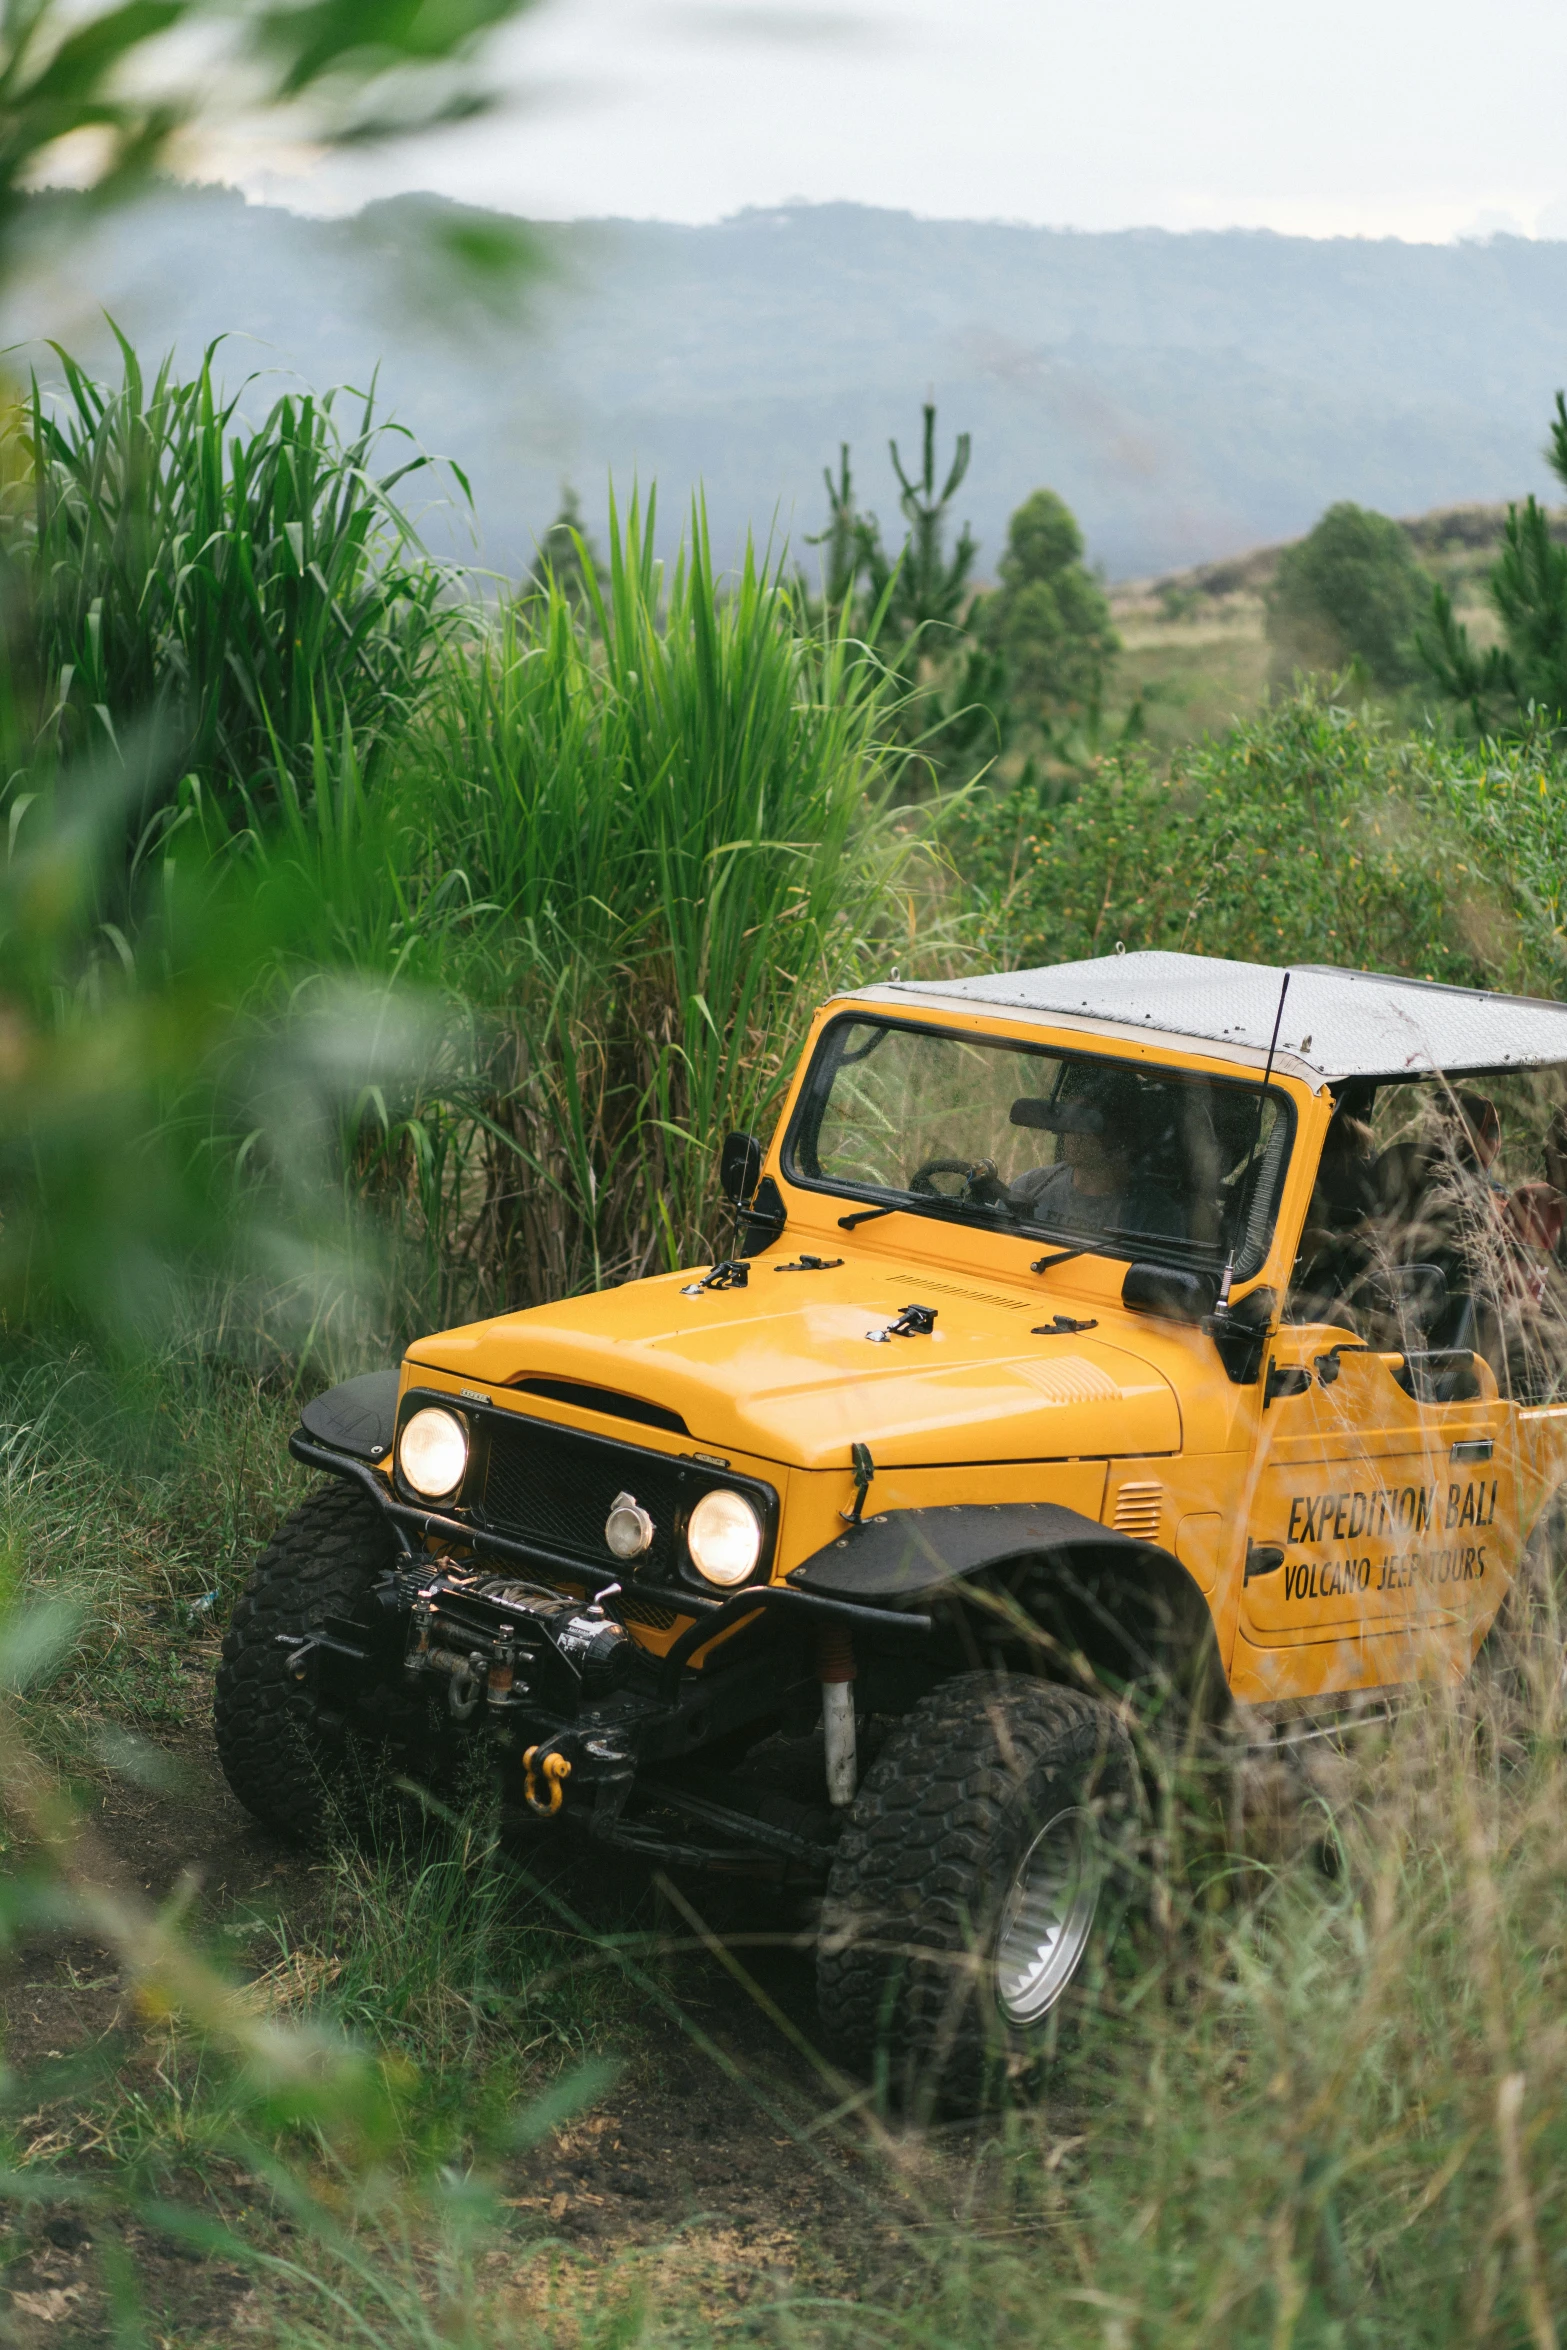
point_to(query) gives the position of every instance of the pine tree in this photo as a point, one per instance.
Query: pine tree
(923, 587)
(566, 555)
(1049, 620)
(844, 537)
(1522, 682)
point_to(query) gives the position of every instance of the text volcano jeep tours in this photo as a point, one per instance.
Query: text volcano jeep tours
(1103, 1341)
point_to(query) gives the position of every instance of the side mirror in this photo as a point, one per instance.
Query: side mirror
(740, 1167)
(1169, 1290)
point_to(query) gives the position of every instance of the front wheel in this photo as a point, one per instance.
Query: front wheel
(285, 1758)
(980, 1856)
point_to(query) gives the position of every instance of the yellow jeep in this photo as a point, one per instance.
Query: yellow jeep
(1098, 1343)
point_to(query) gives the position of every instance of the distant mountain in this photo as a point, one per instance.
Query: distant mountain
(1190, 396)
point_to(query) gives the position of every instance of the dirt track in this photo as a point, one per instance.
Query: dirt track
(680, 2156)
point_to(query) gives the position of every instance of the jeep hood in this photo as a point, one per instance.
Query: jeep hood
(783, 1369)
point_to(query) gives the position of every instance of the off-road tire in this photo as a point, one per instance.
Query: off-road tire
(287, 1764)
(905, 1971)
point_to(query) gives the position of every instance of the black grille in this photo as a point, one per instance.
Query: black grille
(552, 1486)
(632, 1608)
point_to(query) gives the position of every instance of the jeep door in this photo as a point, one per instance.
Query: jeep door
(1382, 1524)
(1395, 1469)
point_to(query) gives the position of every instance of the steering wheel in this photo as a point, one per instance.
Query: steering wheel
(981, 1184)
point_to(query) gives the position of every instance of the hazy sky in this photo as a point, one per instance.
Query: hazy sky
(1411, 118)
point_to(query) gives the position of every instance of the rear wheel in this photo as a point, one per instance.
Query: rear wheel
(982, 1853)
(287, 1758)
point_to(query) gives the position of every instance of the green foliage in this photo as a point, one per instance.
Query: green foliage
(1313, 834)
(1522, 682)
(488, 986)
(924, 587)
(670, 814)
(138, 76)
(622, 847)
(137, 1493)
(1049, 619)
(1326, 2078)
(1350, 591)
(226, 592)
(948, 706)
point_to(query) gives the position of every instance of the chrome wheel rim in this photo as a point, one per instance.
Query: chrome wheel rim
(1048, 1917)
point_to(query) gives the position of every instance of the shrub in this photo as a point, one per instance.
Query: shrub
(1349, 591)
(1313, 834)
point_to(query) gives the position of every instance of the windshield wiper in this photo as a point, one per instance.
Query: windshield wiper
(959, 1210)
(1062, 1256)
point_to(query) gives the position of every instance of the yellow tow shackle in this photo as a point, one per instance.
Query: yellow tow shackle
(556, 1771)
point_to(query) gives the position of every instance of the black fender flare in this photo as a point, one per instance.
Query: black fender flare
(359, 1417)
(1129, 1607)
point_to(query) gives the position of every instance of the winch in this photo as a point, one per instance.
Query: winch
(499, 1642)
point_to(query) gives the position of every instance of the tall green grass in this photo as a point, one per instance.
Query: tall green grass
(453, 937)
(440, 1000)
(656, 838)
(228, 589)
(1319, 2102)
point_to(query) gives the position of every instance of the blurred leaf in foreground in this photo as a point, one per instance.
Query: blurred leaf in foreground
(105, 97)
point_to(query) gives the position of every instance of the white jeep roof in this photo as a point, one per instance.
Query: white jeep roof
(1340, 1024)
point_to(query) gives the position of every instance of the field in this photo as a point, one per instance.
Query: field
(1195, 656)
(354, 980)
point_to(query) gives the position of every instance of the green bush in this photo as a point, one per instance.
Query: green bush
(1316, 833)
(1349, 591)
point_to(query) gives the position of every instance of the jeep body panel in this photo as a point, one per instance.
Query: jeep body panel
(780, 1369)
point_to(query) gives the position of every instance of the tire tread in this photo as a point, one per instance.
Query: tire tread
(922, 1843)
(321, 1562)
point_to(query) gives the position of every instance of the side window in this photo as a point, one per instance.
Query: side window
(1438, 1222)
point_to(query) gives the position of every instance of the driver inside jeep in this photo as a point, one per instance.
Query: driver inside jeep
(1096, 1182)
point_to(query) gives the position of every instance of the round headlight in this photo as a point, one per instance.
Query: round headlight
(724, 1537)
(432, 1451)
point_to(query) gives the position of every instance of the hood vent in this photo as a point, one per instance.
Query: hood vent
(1073, 1379)
(984, 1297)
(607, 1400)
(1137, 1509)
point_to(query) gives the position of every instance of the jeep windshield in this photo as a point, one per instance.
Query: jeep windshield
(1104, 1155)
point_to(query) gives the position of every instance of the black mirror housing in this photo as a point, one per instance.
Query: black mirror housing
(1171, 1290)
(740, 1167)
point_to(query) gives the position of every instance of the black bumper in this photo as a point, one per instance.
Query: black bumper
(412, 1524)
(673, 1707)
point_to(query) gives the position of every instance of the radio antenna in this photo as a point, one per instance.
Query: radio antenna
(1251, 1155)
